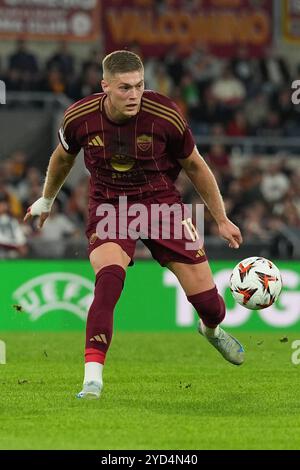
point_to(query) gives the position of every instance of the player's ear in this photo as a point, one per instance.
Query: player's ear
(105, 86)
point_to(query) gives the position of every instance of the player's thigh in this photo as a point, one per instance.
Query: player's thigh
(107, 254)
(194, 278)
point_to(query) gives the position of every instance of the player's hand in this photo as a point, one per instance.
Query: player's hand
(231, 233)
(40, 208)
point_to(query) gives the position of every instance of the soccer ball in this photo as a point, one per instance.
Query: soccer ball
(255, 283)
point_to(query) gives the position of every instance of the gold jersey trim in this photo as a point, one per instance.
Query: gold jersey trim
(168, 110)
(101, 103)
(164, 116)
(82, 113)
(81, 106)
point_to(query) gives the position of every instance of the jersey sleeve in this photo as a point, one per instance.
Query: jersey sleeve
(67, 135)
(181, 144)
(181, 141)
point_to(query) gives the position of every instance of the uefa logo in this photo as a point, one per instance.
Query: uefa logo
(2, 92)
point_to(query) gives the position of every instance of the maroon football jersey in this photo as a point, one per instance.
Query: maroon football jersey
(136, 158)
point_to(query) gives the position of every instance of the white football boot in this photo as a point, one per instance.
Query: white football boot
(226, 344)
(90, 390)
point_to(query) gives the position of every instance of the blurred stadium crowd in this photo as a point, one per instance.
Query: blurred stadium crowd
(243, 97)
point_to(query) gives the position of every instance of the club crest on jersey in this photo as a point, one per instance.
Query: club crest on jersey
(122, 162)
(144, 142)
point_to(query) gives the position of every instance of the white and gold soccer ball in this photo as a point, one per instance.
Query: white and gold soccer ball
(255, 283)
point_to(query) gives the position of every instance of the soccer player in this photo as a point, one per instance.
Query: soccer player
(135, 143)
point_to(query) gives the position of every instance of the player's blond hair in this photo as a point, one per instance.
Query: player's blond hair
(121, 62)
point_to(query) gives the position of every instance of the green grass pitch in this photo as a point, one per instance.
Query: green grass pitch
(161, 391)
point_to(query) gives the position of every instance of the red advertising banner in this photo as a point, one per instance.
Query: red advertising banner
(291, 20)
(220, 25)
(75, 20)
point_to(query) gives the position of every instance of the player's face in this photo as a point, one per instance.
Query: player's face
(124, 91)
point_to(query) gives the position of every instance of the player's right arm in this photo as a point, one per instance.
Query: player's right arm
(59, 167)
(205, 183)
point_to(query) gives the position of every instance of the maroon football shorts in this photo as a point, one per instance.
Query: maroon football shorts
(170, 235)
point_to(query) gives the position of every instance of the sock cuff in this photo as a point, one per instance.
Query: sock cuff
(94, 355)
(203, 296)
(114, 269)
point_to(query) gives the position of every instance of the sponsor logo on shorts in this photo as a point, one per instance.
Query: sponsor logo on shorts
(93, 238)
(200, 253)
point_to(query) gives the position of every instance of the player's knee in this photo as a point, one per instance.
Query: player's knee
(210, 307)
(108, 254)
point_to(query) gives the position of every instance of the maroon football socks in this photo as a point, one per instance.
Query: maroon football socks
(108, 287)
(209, 306)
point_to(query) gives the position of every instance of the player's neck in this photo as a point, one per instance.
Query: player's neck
(112, 113)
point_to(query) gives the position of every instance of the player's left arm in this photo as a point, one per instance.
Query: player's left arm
(205, 183)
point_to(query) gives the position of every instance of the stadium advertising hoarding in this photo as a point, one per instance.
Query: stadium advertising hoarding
(55, 295)
(50, 19)
(220, 25)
